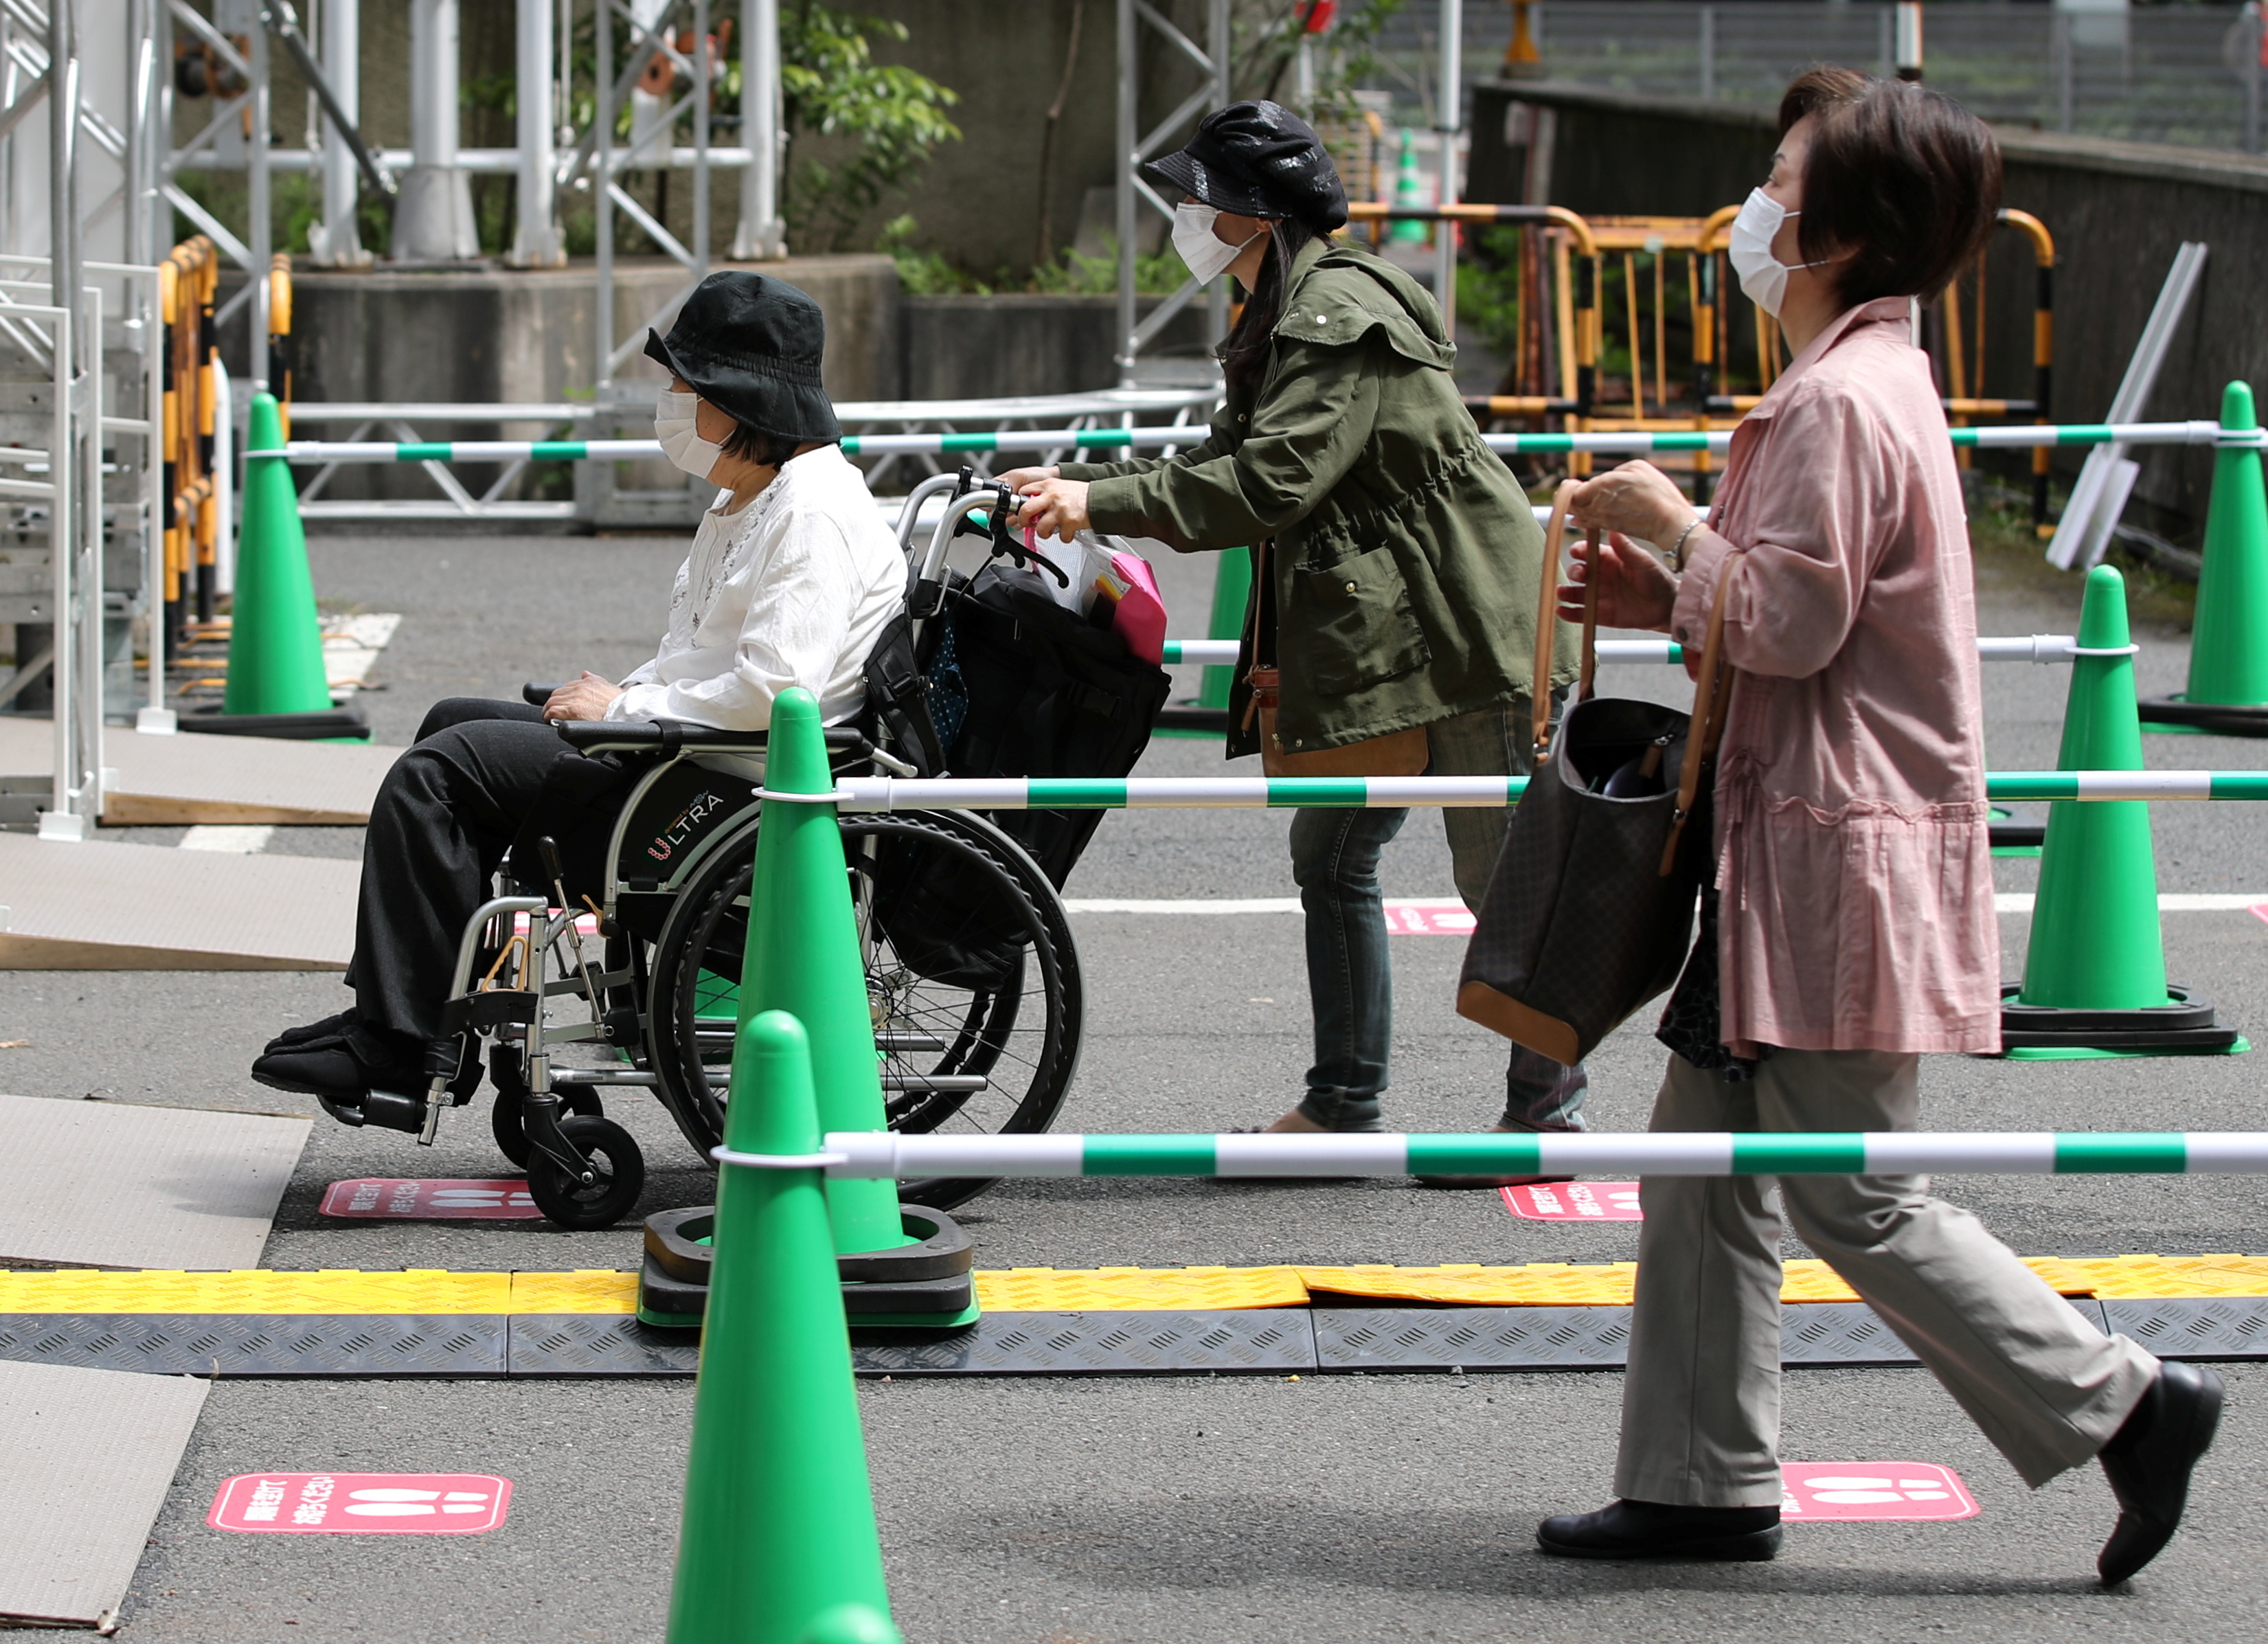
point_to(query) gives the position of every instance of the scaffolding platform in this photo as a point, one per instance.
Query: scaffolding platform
(161, 781)
(101, 906)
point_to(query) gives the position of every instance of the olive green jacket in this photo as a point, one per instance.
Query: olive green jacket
(1405, 558)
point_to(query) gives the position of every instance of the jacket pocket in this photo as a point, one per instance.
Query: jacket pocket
(1349, 624)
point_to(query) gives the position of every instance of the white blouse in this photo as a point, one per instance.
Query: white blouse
(792, 590)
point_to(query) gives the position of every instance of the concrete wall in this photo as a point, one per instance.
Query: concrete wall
(2117, 211)
(979, 347)
(492, 336)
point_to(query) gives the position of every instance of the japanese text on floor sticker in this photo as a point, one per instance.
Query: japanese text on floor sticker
(361, 1504)
(1427, 917)
(1573, 1201)
(1872, 1490)
(501, 1198)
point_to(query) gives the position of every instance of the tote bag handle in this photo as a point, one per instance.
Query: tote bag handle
(1712, 698)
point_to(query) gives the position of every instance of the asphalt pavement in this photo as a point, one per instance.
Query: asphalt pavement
(1064, 1511)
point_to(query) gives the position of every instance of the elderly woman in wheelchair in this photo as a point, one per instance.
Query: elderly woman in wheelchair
(628, 813)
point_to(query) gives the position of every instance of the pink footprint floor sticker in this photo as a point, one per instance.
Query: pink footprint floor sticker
(1815, 1490)
(361, 1504)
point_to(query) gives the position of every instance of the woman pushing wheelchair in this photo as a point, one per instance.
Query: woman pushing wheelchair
(792, 577)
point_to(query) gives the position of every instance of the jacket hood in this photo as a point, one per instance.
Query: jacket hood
(1339, 294)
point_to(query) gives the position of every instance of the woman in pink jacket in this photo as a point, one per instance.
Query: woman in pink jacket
(1851, 926)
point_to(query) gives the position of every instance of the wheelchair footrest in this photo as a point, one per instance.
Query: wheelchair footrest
(928, 1284)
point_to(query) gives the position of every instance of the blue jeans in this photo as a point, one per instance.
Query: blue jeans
(1350, 980)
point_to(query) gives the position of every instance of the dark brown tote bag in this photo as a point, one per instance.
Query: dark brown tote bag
(1590, 910)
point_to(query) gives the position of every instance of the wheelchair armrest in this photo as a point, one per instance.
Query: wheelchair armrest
(672, 736)
(534, 695)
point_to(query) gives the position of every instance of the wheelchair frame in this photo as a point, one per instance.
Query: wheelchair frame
(532, 943)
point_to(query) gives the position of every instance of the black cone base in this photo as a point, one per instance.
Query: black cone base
(2187, 1024)
(2221, 718)
(933, 1278)
(292, 728)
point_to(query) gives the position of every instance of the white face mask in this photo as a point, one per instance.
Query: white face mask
(1207, 257)
(1762, 276)
(681, 440)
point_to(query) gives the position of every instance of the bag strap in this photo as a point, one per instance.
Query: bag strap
(1712, 696)
(1539, 700)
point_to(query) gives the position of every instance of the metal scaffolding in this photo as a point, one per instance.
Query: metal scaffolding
(79, 406)
(1137, 331)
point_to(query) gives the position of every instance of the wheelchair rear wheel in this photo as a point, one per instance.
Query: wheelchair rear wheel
(971, 979)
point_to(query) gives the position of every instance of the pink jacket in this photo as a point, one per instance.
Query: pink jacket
(1853, 863)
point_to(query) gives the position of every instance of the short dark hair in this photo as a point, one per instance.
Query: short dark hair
(1901, 178)
(752, 444)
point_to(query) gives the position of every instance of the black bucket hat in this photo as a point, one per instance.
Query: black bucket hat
(751, 345)
(1257, 160)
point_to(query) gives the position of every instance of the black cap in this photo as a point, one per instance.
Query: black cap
(1257, 160)
(751, 345)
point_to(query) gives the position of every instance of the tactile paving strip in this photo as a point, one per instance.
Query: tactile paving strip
(1471, 1338)
(597, 1344)
(2194, 1328)
(1233, 1342)
(236, 1344)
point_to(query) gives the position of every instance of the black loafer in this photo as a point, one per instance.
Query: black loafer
(2149, 1461)
(1650, 1529)
(330, 1030)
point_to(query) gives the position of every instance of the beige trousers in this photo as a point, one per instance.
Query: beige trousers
(1701, 1400)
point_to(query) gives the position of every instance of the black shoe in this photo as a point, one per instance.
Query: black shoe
(2148, 1462)
(333, 1029)
(341, 1069)
(1649, 1530)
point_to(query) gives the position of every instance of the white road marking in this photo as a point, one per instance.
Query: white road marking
(2004, 901)
(229, 838)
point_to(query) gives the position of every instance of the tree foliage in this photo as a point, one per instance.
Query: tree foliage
(858, 130)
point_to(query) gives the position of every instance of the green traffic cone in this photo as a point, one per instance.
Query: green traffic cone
(803, 958)
(275, 638)
(778, 1545)
(2228, 648)
(2096, 944)
(1409, 192)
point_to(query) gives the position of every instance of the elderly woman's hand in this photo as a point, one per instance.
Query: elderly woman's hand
(1055, 508)
(1638, 499)
(583, 698)
(1636, 590)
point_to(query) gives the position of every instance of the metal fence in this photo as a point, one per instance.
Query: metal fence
(2185, 74)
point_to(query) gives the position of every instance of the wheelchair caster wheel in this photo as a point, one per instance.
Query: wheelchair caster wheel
(509, 1122)
(617, 1176)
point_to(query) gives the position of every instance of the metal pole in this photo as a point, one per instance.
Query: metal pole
(2253, 42)
(337, 240)
(1129, 96)
(761, 235)
(602, 177)
(2059, 23)
(65, 820)
(535, 242)
(1217, 44)
(260, 235)
(1708, 54)
(433, 214)
(1449, 120)
(699, 247)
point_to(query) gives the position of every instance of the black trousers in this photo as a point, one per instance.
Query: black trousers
(443, 819)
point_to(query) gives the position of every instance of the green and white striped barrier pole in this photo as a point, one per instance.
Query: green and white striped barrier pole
(2020, 648)
(1634, 442)
(886, 1154)
(1070, 793)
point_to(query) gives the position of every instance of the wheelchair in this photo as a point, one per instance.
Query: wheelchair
(972, 974)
